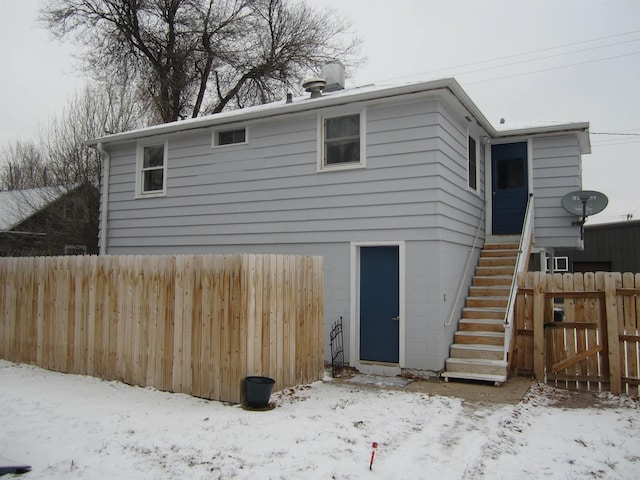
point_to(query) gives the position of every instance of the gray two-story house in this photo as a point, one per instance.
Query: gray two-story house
(399, 188)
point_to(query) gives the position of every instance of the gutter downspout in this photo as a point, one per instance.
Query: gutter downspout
(105, 197)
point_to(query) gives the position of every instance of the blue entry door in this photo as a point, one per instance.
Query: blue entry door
(379, 304)
(510, 187)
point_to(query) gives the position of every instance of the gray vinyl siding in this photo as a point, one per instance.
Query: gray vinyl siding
(269, 192)
(267, 196)
(434, 273)
(556, 172)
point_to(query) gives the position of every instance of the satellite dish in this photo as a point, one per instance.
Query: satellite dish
(584, 203)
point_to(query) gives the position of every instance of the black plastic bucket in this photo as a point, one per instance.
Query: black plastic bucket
(258, 391)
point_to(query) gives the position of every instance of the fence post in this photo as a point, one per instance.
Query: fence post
(538, 325)
(615, 376)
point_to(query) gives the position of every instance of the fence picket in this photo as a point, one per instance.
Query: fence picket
(215, 369)
(191, 324)
(196, 329)
(596, 347)
(273, 319)
(257, 320)
(591, 316)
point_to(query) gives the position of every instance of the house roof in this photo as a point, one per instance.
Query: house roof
(16, 206)
(447, 88)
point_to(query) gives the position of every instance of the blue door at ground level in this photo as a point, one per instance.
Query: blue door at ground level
(510, 187)
(379, 304)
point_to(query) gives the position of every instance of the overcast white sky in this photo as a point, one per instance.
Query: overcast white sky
(522, 60)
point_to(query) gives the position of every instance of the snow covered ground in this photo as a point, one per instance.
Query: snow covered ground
(72, 427)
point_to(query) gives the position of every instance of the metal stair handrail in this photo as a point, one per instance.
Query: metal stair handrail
(522, 260)
(454, 309)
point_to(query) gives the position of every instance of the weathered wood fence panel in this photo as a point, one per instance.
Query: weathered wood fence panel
(185, 323)
(579, 331)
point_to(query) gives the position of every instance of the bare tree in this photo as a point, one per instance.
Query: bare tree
(60, 157)
(189, 57)
(97, 110)
(66, 213)
(23, 166)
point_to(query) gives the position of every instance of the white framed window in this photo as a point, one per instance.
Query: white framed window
(561, 264)
(342, 141)
(151, 168)
(229, 136)
(473, 154)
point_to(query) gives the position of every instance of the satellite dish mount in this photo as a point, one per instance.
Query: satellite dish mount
(584, 203)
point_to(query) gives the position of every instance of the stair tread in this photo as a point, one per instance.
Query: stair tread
(485, 321)
(478, 346)
(499, 277)
(489, 297)
(475, 333)
(489, 287)
(477, 361)
(476, 376)
(485, 309)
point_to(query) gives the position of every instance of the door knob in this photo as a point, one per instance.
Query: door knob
(396, 318)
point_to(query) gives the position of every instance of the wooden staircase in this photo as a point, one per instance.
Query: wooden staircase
(478, 351)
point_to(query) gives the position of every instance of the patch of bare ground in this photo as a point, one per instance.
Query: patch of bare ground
(546, 395)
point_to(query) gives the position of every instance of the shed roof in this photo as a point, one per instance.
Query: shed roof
(16, 206)
(447, 88)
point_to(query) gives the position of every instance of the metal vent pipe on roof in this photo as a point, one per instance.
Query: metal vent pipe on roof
(314, 86)
(333, 73)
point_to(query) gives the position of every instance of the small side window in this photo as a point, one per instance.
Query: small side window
(229, 137)
(152, 169)
(561, 264)
(472, 156)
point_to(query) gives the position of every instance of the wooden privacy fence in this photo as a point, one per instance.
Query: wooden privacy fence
(579, 331)
(186, 323)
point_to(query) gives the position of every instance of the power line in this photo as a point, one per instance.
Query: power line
(493, 67)
(529, 52)
(552, 68)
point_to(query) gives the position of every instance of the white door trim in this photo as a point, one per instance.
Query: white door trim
(354, 325)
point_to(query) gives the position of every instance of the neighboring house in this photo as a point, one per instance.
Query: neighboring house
(608, 247)
(49, 221)
(398, 188)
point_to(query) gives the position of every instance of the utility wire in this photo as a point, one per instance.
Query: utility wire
(552, 68)
(529, 52)
(493, 67)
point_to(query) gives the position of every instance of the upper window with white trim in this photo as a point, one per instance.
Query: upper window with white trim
(230, 136)
(342, 141)
(472, 157)
(152, 169)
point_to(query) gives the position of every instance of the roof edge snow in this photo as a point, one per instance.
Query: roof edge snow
(342, 97)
